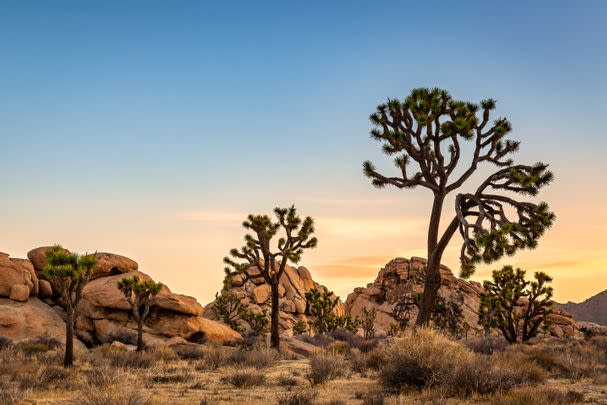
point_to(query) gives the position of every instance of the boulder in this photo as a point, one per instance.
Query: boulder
(261, 294)
(112, 264)
(27, 265)
(13, 273)
(45, 289)
(19, 292)
(32, 319)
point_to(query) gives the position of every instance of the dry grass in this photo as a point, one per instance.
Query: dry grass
(426, 368)
(326, 366)
(538, 396)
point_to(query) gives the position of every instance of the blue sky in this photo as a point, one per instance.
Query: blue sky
(119, 117)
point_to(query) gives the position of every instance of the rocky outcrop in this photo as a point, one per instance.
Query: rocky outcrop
(400, 276)
(32, 319)
(255, 293)
(14, 272)
(103, 314)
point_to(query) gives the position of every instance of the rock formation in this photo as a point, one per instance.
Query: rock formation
(34, 308)
(398, 278)
(255, 293)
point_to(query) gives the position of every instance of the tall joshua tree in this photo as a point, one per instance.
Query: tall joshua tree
(70, 273)
(270, 260)
(427, 130)
(139, 294)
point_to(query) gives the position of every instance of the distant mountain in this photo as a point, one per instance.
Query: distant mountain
(594, 309)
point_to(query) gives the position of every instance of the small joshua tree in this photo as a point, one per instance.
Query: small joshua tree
(299, 327)
(70, 273)
(368, 322)
(258, 321)
(517, 307)
(271, 262)
(320, 305)
(229, 309)
(139, 295)
(426, 134)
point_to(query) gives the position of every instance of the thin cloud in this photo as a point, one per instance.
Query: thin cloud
(211, 216)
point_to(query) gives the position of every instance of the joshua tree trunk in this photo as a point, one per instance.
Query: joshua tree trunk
(68, 360)
(432, 272)
(275, 329)
(139, 334)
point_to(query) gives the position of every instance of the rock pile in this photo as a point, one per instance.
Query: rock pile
(34, 308)
(395, 280)
(255, 293)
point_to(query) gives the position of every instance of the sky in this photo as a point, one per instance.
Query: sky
(152, 128)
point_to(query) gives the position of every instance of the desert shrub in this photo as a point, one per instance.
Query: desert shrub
(325, 367)
(13, 395)
(47, 377)
(297, 398)
(32, 348)
(101, 376)
(486, 345)
(213, 358)
(373, 398)
(422, 359)
(571, 360)
(287, 381)
(354, 340)
(481, 374)
(245, 378)
(190, 352)
(317, 340)
(375, 358)
(115, 395)
(358, 361)
(334, 402)
(538, 396)
(5, 341)
(339, 347)
(119, 357)
(260, 358)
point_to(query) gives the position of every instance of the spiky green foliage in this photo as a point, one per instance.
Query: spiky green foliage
(229, 309)
(258, 321)
(69, 272)
(319, 305)
(425, 134)
(271, 260)
(299, 327)
(448, 317)
(343, 322)
(368, 322)
(139, 294)
(516, 307)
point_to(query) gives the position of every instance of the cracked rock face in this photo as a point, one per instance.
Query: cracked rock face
(394, 280)
(255, 293)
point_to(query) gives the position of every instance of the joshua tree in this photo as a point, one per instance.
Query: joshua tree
(368, 322)
(271, 264)
(320, 304)
(139, 294)
(517, 307)
(70, 273)
(229, 309)
(427, 129)
(299, 327)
